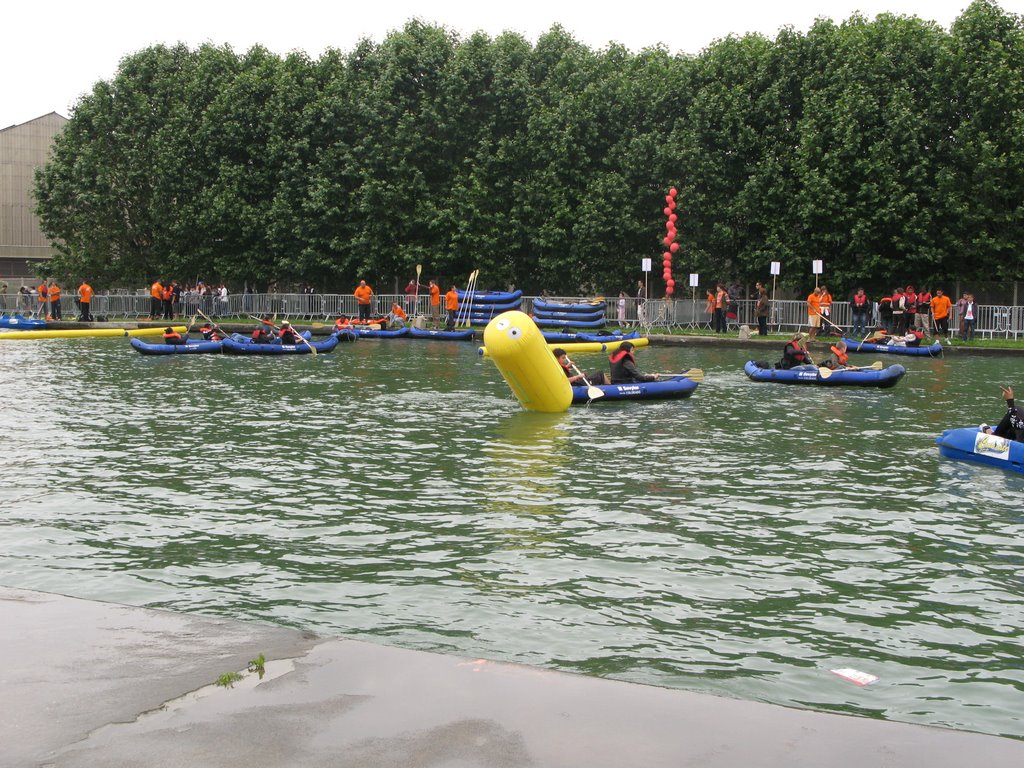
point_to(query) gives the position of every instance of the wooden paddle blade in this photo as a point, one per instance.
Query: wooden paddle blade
(694, 374)
(877, 365)
(824, 372)
(594, 392)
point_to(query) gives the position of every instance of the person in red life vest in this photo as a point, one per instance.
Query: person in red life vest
(263, 333)
(287, 334)
(1012, 425)
(397, 317)
(795, 352)
(838, 360)
(342, 323)
(922, 320)
(171, 336)
(624, 370)
(211, 332)
(912, 338)
(578, 379)
(860, 310)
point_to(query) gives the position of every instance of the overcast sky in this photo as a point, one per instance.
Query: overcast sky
(53, 52)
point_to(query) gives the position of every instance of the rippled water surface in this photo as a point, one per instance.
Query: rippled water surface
(743, 542)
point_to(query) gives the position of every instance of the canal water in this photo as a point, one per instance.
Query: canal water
(744, 542)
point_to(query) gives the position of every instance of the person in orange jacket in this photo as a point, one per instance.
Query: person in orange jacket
(435, 303)
(53, 295)
(364, 296)
(156, 300)
(941, 307)
(451, 303)
(44, 302)
(84, 302)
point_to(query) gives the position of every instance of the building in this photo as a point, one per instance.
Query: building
(23, 148)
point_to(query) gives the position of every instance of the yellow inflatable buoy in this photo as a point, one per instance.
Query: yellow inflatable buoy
(87, 332)
(517, 347)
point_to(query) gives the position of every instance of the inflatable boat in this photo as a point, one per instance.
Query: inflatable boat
(543, 322)
(190, 347)
(427, 333)
(249, 347)
(16, 322)
(602, 336)
(971, 444)
(489, 297)
(561, 306)
(382, 333)
(663, 389)
(809, 374)
(544, 314)
(933, 350)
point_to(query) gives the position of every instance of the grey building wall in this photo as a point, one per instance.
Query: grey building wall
(23, 148)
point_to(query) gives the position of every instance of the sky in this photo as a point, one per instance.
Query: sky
(53, 52)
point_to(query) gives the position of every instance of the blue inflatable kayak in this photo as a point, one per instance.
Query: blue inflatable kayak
(971, 444)
(933, 350)
(544, 314)
(383, 333)
(248, 347)
(489, 297)
(664, 389)
(426, 333)
(561, 306)
(190, 347)
(809, 374)
(543, 322)
(562, 337)
(17, 322)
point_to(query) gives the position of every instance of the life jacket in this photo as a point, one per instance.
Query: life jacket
(841, 356)
(167, 294)
(260, 336)
(793, 355)
(568, 370)
(288, 335)
(171, 337)
(342, 323)
(860, 301)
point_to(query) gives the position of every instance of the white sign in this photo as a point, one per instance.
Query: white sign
(645, 265)
(776, 267)
(816, 267)
(694, 277)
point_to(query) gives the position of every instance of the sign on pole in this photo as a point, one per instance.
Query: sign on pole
(694, 279)
(777, 267)
(816, 267)
(645, 265)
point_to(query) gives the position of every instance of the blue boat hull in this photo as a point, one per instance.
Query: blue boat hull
(883, 379)
(190, 347)
(383, 333)
(564, 337)
(490, 297)
(547, 323)
(558, 306)
(247, 347)
(934, 350)
(969, 444)
(425, 333)
(18, 323)
(487, 308)
(664, 389)
(544, 314)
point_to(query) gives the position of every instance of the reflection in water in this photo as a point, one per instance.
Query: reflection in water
(744, 541)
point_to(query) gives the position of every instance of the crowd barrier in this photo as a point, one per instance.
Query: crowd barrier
(650, 315)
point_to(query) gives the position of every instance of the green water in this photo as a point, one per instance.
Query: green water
(743, 542)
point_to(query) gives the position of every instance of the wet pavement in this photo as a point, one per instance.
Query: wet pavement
(97, 684)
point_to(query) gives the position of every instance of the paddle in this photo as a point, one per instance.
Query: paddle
(305, 341)
(470, 292)
(826, 372)
(837, 327)
(694, 374)
(416, 293)
(592, 392)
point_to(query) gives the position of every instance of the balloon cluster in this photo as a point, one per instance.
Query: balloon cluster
(669, 240)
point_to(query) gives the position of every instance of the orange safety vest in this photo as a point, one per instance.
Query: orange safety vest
(842, 357)
(156, 290)
(435, 296)
(363, 294)
(451, 301)
(171, 335)
(85, 293)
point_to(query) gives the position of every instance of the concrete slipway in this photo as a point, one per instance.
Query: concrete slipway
(95, 684)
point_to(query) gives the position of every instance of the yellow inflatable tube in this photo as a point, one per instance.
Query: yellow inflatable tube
(80, 332)
(574, 347)
(517, 347)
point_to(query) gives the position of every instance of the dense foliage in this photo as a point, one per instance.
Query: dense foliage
(887, 148)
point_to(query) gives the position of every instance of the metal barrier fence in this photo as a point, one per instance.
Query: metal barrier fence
(664, 314)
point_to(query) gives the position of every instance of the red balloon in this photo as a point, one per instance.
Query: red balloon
(671, 285)
(672, 192)
(669, 291)
(672, 217)
(672, 204)
(669, 200)
(667, 274)
(666, 239)
(674, 247)
(667, 263)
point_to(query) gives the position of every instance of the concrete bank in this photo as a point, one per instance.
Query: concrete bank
(97, 684)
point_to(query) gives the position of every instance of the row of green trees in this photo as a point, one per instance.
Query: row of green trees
(891, 149)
